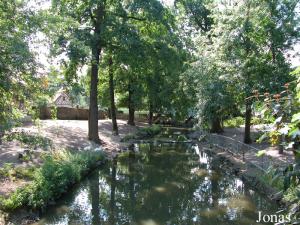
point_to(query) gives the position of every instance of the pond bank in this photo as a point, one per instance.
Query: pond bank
(252, 171)
(29, 142)
(57, 175)
(49, 137)
(160, 183)
(246, 172)
(230, 164)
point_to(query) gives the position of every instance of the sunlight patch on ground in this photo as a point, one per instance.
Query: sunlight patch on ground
(148, 222)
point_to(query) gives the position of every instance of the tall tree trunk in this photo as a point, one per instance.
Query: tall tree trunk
(93, 109)
(130, 105)
(248, 86)
(150, 119)
(97, 21)
(248, 114)
(112, 98)
(216, 126)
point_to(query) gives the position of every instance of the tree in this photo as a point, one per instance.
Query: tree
(266, 69)
(19, 82)
(240, 37)
(93, 25)
(112, 96)
(196, 13)
(82, 42)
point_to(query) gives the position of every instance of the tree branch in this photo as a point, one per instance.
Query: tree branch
(124, 16)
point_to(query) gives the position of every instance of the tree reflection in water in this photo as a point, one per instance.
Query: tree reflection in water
(165, 184)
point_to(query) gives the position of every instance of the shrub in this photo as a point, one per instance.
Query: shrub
(234, 122)
(257, 120)
(144, 132)
(181, 138)
(7, 171)
(128, 137)
(57, 174)
(29, 139)
(148, 132)
(274, 177)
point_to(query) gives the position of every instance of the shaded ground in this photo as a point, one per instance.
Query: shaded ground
(63, 134)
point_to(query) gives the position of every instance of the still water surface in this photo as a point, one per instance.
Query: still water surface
(160, 184)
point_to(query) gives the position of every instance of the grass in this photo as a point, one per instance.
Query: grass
(59, 172)
(20, 172)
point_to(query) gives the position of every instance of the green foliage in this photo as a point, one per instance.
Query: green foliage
(240, 121)
(128, 137)
(53, 113)
(195, 13)
(7, 170)
(144, 132)
(283, 109)
(29, 139)
(57, 174)
(241, 52)
(234, 122)
(19, 81)
(257, 121)
(261, 153)
(274, 177)
(148, 132)
(25, 172)
(19, 172)
(181, 138)
(292, 194)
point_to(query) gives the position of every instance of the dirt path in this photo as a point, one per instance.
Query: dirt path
(68, 134)
(63, 134)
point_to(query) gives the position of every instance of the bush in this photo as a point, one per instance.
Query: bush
(144, 132)
(128, 137)
(58, 173)
(234, 122)
(274, 177)
(181, 138)
(7, 171)
(257, 120)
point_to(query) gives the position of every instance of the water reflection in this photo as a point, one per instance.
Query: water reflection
(157, 185)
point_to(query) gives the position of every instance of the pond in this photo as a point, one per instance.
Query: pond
(160, 184)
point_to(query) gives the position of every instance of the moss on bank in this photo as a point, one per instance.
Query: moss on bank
(58, 173)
